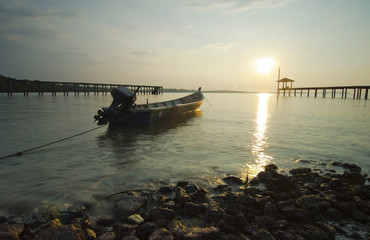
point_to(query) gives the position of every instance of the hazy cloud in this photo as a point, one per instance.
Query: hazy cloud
(10, 10)
(234, 5)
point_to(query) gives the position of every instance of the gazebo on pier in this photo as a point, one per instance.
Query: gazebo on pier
(285, 86)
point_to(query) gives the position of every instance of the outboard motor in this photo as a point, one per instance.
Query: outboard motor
(123, 101)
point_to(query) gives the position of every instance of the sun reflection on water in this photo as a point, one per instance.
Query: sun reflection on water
(259, 140)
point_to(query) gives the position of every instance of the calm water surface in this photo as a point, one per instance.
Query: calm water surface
(233, 134)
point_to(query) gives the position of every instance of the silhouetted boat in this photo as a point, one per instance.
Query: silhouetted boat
(123, 109)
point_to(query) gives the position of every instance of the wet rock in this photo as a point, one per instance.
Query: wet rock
(360, 216)
(181, 196)
(182, 184)
(11, 231)
(160, 213)
(271, 167)
(300, 170)
(328, 229)
(214, 213)
(350, 166)
(354, 177)
(270, 210)
(105, 221)
(124, 230)
(70, 232)
(209, 233)
(129, 204)
(293, 213)
(333, 213)
(145, 230)
(177, 229)
(89, 234)
(135, 219)
(314, 233)
(233, 180)
(309, 202)
(222, 189)
(161, 234)
(191, 188)
(200, 195)
(107, 236)
(192, 209)
(261, 234)
(166, 190)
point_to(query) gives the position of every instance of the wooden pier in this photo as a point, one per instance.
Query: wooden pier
(355, 92)
(25, 86)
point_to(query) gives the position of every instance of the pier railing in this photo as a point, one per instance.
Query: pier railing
(356, 92)
(25, 87)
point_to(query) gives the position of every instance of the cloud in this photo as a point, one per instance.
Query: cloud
(10, 10)
(234, 6)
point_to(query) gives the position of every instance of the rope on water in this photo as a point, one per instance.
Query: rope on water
(208, 102)
(48, 144)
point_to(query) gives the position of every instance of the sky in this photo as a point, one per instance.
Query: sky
(187, 43)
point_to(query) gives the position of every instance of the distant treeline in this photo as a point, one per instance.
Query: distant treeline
(8, 84)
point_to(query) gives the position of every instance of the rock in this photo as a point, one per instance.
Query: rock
(135, 219)
(105, 221)
(300, 170)
(222, 189)
(280, 183)
(312, 232)
(309, 202)
(328, 229)
(360, 216)
(214, 213)
(333, 213)
(293, 213)
(199, 195)
(89, 234)
(161, 234)
(354, 177)
(271, 167)
(11, 231)
(191, 188)
(107, 236)
(124, 230)
(261, 234)
(192, 209)
(145, 230)
(209, 233)
(350, 166)
(128, 204)
(166, 190)
(228, 228)
(233, 180)
(70, 232)
(182, 184)
(181, 196)
(160, 213)
(131, 237)
(177, 229)
(270, 210)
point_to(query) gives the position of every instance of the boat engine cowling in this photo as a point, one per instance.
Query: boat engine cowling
(123, 100)
(122, 96)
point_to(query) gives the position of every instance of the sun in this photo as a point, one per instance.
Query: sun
(264, 65)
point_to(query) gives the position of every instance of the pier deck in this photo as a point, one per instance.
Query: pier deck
(356, 92)
(40, 87)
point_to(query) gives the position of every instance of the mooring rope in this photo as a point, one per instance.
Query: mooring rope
(48, 144)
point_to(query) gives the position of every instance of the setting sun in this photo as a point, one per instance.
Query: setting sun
(264, 65)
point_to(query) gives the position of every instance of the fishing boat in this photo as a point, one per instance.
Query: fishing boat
(123, 109)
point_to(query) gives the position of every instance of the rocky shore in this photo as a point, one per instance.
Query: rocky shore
(300, 205)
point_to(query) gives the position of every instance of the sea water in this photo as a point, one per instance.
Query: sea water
(232, 134)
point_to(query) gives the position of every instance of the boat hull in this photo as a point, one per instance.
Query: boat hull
(142, 116)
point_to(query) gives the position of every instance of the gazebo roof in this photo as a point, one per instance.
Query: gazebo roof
(285, 80)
